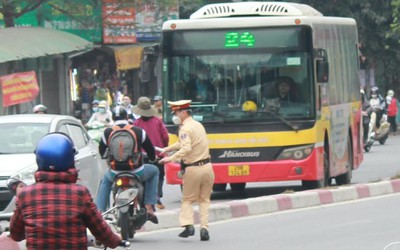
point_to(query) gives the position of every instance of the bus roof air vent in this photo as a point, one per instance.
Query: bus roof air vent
(255, 9)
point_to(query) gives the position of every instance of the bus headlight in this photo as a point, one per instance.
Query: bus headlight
(296, 153)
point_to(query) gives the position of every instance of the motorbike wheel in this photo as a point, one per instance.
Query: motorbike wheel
(367, 148)
(124, 223)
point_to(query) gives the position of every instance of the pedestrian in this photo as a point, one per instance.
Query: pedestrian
(126, 103)
(158, 134)
(192, 150)
(148, 173)
(54, 212)
(157, 104)
(392, 110)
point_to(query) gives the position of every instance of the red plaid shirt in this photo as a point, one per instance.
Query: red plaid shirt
(54, 213)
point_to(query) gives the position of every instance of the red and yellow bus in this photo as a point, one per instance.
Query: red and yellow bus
(229, 60)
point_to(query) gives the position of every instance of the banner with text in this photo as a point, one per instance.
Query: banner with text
(118, 22)
(19, 88)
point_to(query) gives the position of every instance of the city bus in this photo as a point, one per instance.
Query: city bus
(230, 58)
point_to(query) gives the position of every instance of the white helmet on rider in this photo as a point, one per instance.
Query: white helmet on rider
(39, 109)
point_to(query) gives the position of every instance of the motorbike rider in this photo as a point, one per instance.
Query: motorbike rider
(39, 109)
(103, 115)
(366, 115)
(378, 105)
(54, 212)
(148, 173)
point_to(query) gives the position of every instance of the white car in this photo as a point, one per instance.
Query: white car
(19, 135)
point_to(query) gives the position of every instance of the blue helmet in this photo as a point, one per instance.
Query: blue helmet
(55, 152)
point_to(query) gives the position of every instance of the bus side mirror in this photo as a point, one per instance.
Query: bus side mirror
(322, 65)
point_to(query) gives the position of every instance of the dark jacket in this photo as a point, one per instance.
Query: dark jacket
(54, 213)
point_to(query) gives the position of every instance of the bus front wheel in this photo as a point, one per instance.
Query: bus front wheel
(325, 181)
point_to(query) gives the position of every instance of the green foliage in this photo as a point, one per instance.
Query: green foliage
(376, 21)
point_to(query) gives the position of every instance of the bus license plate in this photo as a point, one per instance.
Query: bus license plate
(241, 170)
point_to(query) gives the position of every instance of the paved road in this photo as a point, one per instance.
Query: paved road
(382, 162)
(368, 224)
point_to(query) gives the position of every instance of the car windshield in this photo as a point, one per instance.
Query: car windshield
(21, 138)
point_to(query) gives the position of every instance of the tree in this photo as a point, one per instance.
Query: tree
(378, 45)
(12, 9)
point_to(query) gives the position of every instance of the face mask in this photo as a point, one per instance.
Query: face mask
(102, 110)
(96, 109)
(374, 95)
(201, 76)
(176, 120)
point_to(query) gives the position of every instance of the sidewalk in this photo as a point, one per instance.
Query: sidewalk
(281, 202)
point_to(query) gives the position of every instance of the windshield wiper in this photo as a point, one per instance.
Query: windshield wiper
(283, 120)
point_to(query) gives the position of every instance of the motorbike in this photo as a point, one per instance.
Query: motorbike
(129, 219)
(382, 134)
(95, 130)
(122, 203)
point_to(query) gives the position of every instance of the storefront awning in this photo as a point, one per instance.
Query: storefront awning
(18, 43)
(129, 56)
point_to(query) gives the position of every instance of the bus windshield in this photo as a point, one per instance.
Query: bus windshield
(241, 75)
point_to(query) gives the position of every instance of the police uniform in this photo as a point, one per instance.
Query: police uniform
(198, 179)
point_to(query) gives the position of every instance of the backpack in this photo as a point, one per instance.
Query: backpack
(123, 149)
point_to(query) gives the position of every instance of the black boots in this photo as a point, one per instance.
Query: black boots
(189, 231)
(204, 236)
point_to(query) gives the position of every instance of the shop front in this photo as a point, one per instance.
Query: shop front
(41, 56)
(110, 71)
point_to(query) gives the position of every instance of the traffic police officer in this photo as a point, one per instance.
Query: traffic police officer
(198, 178)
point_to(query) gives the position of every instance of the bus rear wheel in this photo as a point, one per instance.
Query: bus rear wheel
(345, 179)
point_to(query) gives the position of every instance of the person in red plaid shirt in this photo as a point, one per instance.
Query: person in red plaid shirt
(54, 212)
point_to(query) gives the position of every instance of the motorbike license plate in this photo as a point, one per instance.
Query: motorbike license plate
(241, 170)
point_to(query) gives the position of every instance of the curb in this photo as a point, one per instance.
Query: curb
(279, 202)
